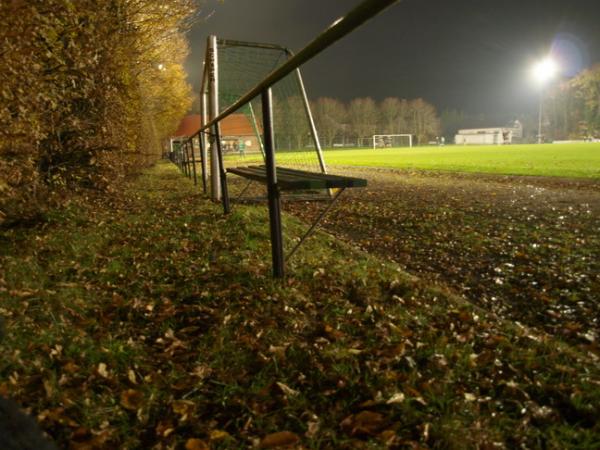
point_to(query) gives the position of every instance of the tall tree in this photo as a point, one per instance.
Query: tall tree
(291, 124)
(362, 117)
(329, 115)
(392, 116)
(424, 122)
(587, 88)
(572, 108)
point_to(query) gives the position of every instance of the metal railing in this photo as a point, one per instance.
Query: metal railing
(340, 28)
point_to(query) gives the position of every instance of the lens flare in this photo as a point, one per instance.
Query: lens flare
(571, 53)
(544, 70)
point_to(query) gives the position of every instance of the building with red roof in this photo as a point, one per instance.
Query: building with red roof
(237, 132)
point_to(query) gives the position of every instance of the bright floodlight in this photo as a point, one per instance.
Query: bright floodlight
(545, 70)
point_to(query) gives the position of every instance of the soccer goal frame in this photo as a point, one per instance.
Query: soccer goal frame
(379, 137)
(279, 178)
(210, 108)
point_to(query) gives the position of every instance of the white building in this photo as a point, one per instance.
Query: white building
(484, 136)
(489, 136)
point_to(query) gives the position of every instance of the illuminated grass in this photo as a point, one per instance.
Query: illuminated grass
(565, 160)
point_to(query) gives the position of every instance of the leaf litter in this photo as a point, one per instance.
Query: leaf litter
(129, 339)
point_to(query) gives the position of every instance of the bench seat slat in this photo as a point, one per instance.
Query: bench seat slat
(293, 179)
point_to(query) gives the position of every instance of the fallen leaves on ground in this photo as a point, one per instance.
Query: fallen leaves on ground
(119, 336)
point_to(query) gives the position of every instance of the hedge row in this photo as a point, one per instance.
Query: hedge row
(88, 91)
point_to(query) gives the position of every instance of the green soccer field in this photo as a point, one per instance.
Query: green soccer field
(580, 160)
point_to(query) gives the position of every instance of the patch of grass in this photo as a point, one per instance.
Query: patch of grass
(150, 318)
(558, 160)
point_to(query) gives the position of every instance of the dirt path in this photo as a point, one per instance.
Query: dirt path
(526, 248)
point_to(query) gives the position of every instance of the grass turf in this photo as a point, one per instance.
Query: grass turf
(150, 320)
(560, 160)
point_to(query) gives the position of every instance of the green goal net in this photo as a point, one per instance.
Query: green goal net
(240, 67)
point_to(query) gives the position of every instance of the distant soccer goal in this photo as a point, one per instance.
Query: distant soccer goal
(392, 140)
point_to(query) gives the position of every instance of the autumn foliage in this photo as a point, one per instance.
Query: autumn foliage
(572, 108)
(87, 92)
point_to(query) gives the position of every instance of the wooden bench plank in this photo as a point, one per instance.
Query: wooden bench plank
(293, 179)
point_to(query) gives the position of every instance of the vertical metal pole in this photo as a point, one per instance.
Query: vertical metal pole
(201, 144)
(213, 70)
(188, 172)
(272, 188)
(224, 189)
(311, 122)
(204, 143)
(256, 130)
(539, 139)
(182, 150)
(179, 157)
(203, 121)
(182, 156)
(313, 128)
(193, 161)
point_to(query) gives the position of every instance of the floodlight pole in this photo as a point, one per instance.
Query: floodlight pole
(539, 139)
(543, 71)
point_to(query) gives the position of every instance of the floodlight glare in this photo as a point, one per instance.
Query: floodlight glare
(544, 70)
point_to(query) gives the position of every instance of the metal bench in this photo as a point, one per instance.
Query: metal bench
(292, 179)
(279, 179)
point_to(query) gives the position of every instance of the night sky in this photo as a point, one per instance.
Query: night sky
(472, 55)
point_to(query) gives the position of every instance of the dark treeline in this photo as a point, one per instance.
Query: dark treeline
(339, 122)
(87, 91)
(353, 123)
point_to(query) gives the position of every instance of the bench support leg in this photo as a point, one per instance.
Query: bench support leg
(272, 188)
(315, 224)
(239, 197)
